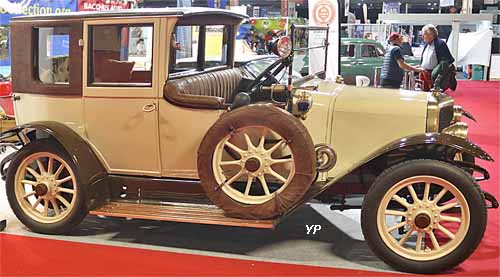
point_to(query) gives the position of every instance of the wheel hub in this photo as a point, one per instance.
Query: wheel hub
(41, 190)
(422, 220)
(252, 165)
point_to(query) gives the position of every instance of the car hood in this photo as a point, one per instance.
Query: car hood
(358, 121)
(367, 98)
(397, 102)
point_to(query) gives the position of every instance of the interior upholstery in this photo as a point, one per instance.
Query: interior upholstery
(211, 90)
(108, 67)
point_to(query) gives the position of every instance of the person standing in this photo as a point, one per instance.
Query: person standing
(394, 65)
(436, 60)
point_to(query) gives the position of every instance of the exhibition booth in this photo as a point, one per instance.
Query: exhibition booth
(248, 139)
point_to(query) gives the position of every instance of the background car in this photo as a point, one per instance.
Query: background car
(7, 120)
(5, 96)
(361, 57)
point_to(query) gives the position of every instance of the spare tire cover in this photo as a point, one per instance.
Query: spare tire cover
(295, 136)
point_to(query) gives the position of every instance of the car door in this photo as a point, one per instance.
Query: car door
(370, 57)
(347, 63)
(120, 90)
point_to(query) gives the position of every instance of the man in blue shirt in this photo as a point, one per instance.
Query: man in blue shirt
(394, 64)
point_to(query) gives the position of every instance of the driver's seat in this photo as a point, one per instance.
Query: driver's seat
(211, 90)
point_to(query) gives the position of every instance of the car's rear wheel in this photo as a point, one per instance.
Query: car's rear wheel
(421, 233)
(256, 162)
(43, 188)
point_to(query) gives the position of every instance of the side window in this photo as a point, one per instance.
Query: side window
(184, 48)
(121, 54)
(369, 51)
(347, 50)
(343, 50)
(188, 41)
(52, 56)
(215, 45)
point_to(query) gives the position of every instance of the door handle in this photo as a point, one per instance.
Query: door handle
(15, 97)
(149, 108)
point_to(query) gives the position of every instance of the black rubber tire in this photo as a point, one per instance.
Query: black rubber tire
(281, 122)
(462, 180)
(71, 220)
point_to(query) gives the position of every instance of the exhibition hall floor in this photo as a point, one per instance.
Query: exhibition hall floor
(108, 246)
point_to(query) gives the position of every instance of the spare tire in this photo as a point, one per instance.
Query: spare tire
(256, 162)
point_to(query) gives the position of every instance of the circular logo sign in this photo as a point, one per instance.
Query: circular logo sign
(324, 12)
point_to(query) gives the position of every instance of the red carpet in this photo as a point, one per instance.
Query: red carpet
(42, 257)
(33, 256)
(482, 99)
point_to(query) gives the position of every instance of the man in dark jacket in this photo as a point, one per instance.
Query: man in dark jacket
(394, 64)
(436, 60)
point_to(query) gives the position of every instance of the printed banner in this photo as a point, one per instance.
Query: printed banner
(101, 5)
(14, 8)
(220, 4)
(391, 7)
(325, 13)
(447, 3)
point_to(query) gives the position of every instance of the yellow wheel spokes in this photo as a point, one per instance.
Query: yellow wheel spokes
(418, 225)
(253, 174)
(45, 187)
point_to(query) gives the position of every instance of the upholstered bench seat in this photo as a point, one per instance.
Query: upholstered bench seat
(211, 90)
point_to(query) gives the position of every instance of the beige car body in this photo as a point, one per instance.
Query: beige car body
(164, 143)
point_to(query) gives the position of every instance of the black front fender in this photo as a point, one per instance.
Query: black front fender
(460, 144)
(90, 168)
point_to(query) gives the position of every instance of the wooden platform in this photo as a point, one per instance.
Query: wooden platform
(201, 214)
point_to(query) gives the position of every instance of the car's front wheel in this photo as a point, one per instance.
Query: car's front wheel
(43, 188)
(406, 223)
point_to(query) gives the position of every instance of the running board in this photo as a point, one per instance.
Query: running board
(200, 214)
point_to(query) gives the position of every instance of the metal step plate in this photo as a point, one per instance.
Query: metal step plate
(192, 213)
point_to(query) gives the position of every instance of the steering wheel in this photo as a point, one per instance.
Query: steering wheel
(266, 77)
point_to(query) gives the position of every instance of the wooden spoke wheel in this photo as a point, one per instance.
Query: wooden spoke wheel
(423, 216)
(256, 162)
(43, 188)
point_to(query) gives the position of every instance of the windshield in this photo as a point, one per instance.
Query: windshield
(310, 46)
(258, 66)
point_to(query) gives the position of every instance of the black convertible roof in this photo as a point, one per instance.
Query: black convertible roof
(180, 12)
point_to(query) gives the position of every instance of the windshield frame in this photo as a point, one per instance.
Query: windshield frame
(325, 45)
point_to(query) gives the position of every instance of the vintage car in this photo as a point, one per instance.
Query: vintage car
(113, 126)
(361, 56)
